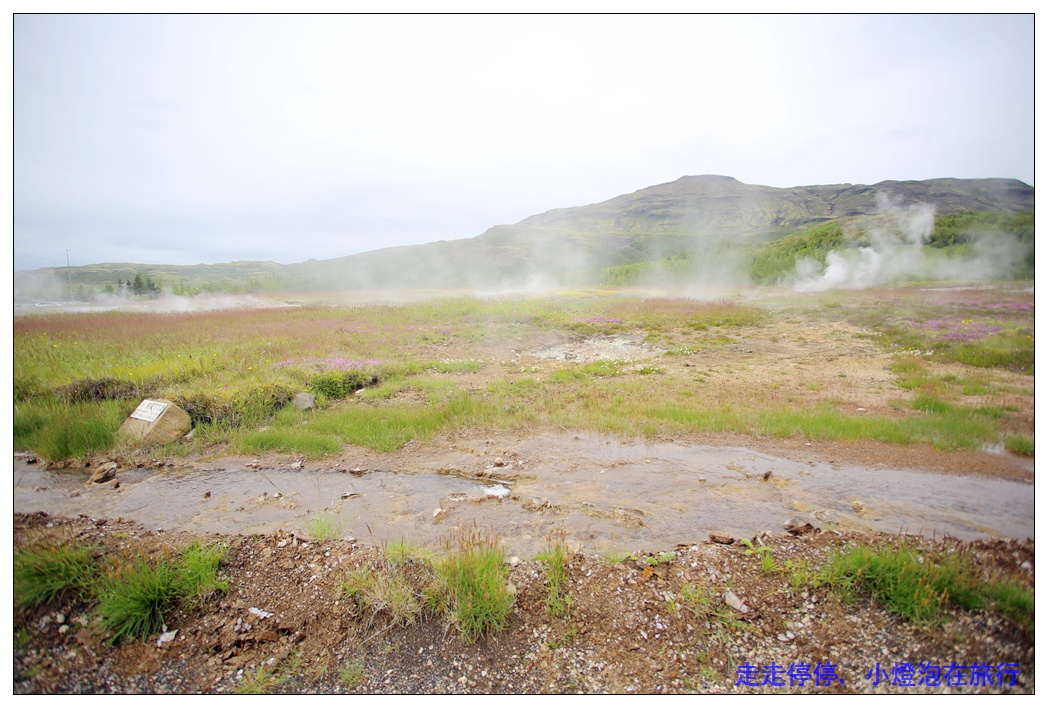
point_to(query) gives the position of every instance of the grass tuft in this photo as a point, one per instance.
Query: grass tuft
(904, 581)
(138, 592)
(558, 601)
(474, 583)
(133, 601)
(323, 526)
(383, 592)
(44, 573)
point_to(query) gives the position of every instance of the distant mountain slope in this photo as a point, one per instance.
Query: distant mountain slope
(691, 217)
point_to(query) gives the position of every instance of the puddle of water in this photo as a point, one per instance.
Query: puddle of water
(604, 493)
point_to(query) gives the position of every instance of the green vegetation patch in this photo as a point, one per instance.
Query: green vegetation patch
(295, 440)
(59, 431)
(558, 600)
(473, 583)
(383, 592)
(131, 595)
(324, 525)
(920, 586)
(137, 592)
(44, 573)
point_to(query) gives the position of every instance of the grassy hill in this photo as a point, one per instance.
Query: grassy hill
(697, 227)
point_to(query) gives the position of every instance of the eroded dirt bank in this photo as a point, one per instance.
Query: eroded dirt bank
(621, 635)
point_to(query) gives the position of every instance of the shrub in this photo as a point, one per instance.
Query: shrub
(341, 384)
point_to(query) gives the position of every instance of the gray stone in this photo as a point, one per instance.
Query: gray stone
(156, 422)
(304, 401)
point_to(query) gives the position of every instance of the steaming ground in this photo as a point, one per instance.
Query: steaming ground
(165, 304)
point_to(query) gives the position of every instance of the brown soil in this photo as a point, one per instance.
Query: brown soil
(621, 635)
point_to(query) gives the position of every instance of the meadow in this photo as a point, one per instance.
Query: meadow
(947, 366)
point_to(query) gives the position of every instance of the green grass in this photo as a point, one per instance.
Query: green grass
(473, 582)
(133, 600)
(198, 573)
(383, 592)
(558, 600)
(1015, 602)
(693, 597)
(78, 376)
(45, 573)
(323, 526)
(403, 552)
(919, 587)
(295, 440)
(58, 431)
(259, 681)
(1020, 444)
(351, 673)
(137, 592)
(956, 428)
(617, 557)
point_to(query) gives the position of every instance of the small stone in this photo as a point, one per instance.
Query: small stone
(721, 538)
(498, 461)
(514, 561)
(438, 512)
(732, 600)
(104, 473)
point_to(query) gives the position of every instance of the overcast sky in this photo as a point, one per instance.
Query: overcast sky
(204, 138)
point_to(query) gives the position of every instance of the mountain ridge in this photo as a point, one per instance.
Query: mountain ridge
(692, 214)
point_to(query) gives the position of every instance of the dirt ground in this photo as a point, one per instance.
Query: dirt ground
(285, 611)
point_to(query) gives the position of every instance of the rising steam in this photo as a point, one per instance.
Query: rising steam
(897, 251)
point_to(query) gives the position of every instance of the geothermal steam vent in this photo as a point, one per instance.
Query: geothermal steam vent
(156, 422)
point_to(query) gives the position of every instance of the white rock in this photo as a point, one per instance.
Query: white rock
(732, 600)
